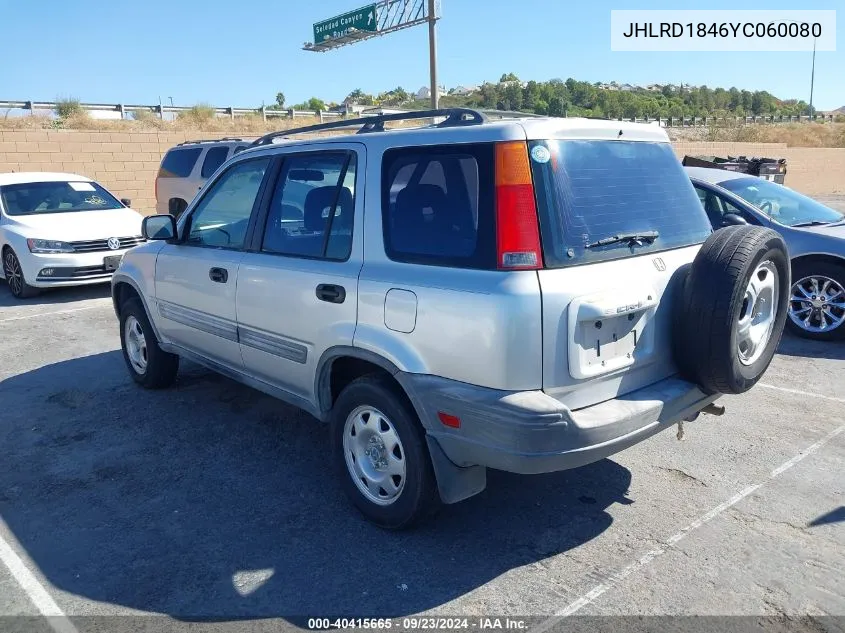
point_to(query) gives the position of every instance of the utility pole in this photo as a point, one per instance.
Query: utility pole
(812, 78)
(432, 53)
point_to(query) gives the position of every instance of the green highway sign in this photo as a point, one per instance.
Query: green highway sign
(363, 19)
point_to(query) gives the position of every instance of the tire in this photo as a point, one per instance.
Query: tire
(828, 306)
(15, 278)
(158, 369)
(382, 411)
(714, 343)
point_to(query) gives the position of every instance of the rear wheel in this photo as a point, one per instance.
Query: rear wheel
(148, 364)
(817, 301)
(381, 454)
(13, 272)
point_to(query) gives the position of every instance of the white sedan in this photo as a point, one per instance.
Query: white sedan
(61, 230)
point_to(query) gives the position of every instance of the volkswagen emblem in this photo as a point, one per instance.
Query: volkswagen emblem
(113, 243)
(659, 264)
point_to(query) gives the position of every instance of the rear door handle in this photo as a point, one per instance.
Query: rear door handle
(331, 293)
(218, 275)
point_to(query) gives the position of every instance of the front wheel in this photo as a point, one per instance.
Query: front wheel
(15, 279)
(817, 301)
(381, 455)
(148, 364)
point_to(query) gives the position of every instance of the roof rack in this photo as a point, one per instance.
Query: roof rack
(213, 140)
(455, 117)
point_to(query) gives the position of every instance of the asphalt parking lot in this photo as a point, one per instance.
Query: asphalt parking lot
(211, 500)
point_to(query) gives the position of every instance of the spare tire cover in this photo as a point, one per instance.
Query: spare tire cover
(732, 309)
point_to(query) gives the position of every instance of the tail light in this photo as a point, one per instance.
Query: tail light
(517, 227)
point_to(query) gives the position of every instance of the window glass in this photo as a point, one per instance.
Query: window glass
(438, 206)
(179, 163)
(214, 157)
(591, 191)
(35, 198)
(222, 216)
(781, 203)
(312, 209)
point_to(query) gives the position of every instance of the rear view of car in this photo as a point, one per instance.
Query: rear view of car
(529, 296)
(186, 167)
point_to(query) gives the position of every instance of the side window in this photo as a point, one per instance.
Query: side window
(179, 163)
(712, 206)
(214, 157)
(222, 216)
(313, 207)
(437, 206)
(239, 148)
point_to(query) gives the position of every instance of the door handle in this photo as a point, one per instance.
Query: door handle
(218, 275)
(331, 293)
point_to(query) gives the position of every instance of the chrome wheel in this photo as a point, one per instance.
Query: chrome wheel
(136, 344)
(13, 272)
(757, 316)
(817, 304)
(374, 455)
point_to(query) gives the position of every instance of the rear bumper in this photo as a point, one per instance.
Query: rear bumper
(530, 432)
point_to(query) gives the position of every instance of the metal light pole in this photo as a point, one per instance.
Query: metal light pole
(812, 78)
(432, 53)
(812, 70)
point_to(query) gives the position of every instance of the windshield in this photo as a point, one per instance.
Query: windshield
(781, 204)
(601, 200)
(36, 198)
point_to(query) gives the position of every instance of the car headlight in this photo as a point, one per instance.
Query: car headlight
(48, 246)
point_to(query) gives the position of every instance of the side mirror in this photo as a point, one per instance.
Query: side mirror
(733, 219)
(159, 227)
(126, 202)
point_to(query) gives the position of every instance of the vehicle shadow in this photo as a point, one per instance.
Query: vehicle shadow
(792, 345)
(54, 296)
(211, 500)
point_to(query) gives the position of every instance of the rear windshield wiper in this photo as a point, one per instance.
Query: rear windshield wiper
(632, 239)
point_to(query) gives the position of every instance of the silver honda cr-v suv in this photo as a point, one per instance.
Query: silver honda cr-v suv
(526, 295)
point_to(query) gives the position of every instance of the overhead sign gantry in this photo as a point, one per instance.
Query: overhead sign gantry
(377, 19)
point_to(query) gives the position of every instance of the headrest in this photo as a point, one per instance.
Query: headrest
(318, 202)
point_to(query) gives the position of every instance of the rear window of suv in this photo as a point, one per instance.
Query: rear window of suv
(595, 190)
(179, 163)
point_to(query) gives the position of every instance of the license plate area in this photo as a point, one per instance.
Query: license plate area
(609, 332)
(112, 262)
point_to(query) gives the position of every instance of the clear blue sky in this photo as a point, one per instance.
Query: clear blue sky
(242, 53)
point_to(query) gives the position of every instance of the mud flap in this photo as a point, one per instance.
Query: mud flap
(453, 482)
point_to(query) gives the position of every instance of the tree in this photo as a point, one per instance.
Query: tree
(508, 77)
(315, 104)
(280, 100)
(555, 106)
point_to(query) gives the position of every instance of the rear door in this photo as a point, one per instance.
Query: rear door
(298, 290)
(196, 279)
(607, 306)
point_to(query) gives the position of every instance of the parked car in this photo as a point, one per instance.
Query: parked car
(61, 230)
(525, 295)
(814, 234)
(186, 167)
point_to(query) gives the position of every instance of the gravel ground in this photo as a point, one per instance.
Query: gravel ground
(211, 500)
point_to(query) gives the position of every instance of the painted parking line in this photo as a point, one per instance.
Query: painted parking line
(34, 590)
(799, 392)
(620, 575)
(54, 312)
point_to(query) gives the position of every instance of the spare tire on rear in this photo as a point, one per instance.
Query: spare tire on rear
(732, 309)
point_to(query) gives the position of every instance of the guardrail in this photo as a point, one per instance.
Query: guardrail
(161, 110)
(268, 112)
